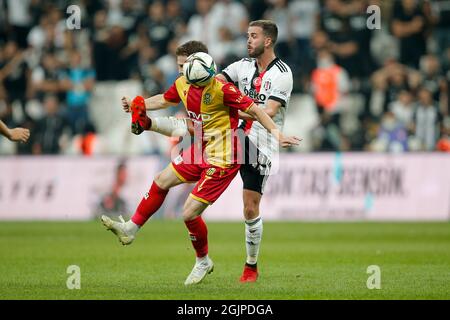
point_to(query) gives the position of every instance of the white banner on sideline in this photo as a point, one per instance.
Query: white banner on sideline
(349, 186)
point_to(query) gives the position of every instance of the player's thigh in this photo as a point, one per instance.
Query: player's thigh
(192, 208)
(167, 178)
(212, 183)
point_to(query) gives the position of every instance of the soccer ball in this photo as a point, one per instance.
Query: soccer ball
(199, 69)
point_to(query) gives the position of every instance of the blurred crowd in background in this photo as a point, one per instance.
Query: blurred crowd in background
(374, 89)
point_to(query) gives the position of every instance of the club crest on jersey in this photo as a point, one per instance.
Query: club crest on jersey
(257, 82)
(210, 171)
(267, 85)
(207, 98)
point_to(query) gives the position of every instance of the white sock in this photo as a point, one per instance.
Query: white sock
(253, 235)
(201, 259)
(131, 227)
(170, 126)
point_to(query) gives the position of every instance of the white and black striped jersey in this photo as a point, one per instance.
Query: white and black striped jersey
(274, 83)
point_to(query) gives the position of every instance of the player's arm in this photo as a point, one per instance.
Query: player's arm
(158, 102)
(155, 102)
(15, 134)
(271, 109)
(270, 126)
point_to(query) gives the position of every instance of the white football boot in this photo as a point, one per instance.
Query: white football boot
(119, 229)
(199, 272)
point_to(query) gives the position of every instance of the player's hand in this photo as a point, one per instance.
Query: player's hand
(19, 134)
(126, 104)
(286, 142)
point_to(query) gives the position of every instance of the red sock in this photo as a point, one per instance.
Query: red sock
(149, 204)
(199, 235)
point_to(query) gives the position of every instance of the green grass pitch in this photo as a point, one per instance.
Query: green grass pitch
(297, 261)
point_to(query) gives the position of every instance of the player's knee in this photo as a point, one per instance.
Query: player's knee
(251, 210)
(160, 181)
(165, 180)
(189, 213)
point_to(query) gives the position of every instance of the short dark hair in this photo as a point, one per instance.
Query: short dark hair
(269, 28)
(190, 47)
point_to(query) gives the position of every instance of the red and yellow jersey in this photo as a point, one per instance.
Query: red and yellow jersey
(215, 107)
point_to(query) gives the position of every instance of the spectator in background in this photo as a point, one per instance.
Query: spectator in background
(157, 27)
(427, 120)
(46, 78)
(355, 12)
(167, 64)
(441, 18)
(109, 60)
(434, 81)
(303, 16)
(20, 20)
(112, 203)
(403, 108)
(409, 25)
(278, 12)
(200, 22)
(78, 82)
(330, 83)
(232, 15)
(388, 81)
(392, 135)
(444, 142)
(50, 129)
(228, 49)
(15, 74)
(176, 18)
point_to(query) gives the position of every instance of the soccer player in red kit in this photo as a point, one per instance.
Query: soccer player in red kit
(213, 108)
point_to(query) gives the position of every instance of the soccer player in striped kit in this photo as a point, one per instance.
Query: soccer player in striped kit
(268, 81)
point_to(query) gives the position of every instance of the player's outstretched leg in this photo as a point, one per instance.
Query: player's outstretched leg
(150, 203)
(125, 231)
(198, 233)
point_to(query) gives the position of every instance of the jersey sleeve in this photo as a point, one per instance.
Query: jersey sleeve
(172, 95)
(233, 98)
(282, 89)
(231, 72)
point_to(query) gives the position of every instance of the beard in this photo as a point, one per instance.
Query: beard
(257, 51)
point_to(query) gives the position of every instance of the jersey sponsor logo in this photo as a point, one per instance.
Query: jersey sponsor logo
(258, 98)
(198, 117)
(207, 98)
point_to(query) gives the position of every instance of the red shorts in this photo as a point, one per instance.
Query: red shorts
(211, 180)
